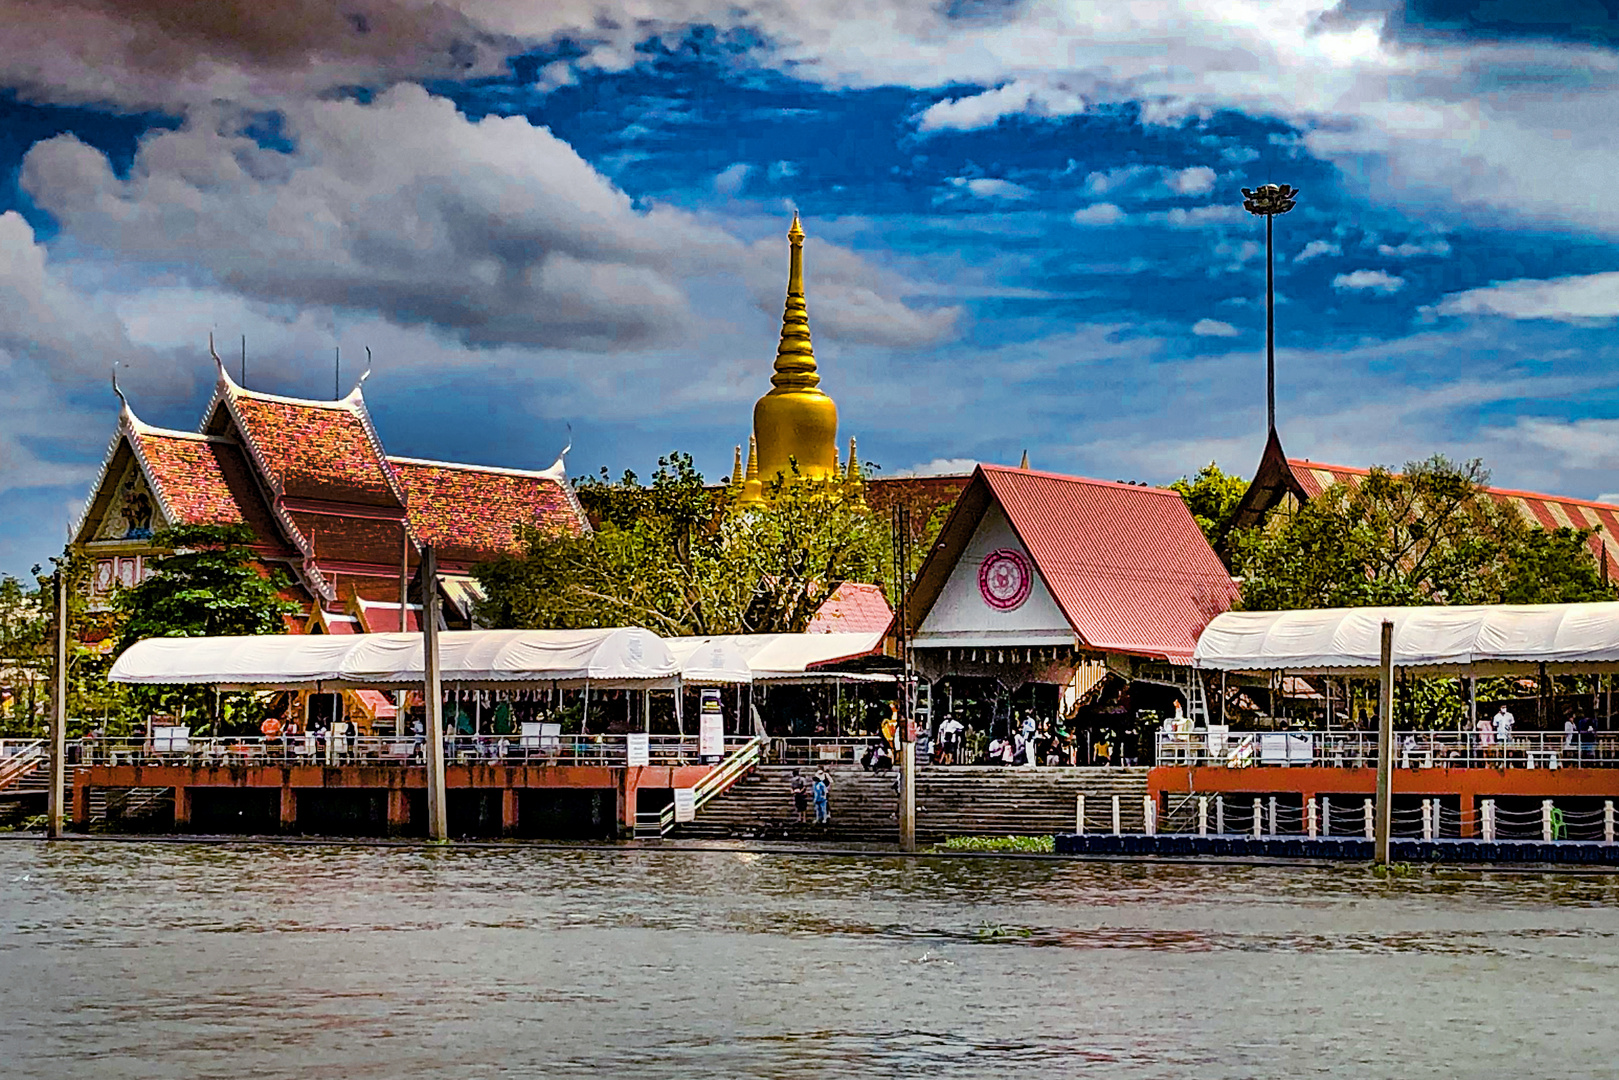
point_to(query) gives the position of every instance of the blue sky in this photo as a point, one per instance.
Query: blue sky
(1024, 229)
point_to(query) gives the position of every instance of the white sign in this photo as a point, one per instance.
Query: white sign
(711, 737)
(530, 735)
(685, 804)
(637, 749)
(171, 739)
(551, 737)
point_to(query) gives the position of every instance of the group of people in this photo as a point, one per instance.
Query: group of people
(817, 788)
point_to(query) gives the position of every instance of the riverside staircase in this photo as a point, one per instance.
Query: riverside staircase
(950, 801)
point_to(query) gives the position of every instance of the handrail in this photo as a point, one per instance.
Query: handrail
(1412, 749)
(718, 780)
(24, 760)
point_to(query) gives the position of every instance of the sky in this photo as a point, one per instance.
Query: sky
(566, 221)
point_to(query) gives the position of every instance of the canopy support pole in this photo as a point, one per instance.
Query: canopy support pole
(438, 826)
(55, 808)
(1385, 747)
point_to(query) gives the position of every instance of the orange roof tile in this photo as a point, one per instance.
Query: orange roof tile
(471, 513)
(317, 450)
(852, 608)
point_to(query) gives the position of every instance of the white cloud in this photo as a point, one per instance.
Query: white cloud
(783, 170)
(1098, 214)
(1378, 281)
(1415, 249)
(1198, 180)
(1316, 248)
(940, 467)
(729, 180)
(1214, 328)
(1199, 217)
(988, 108)
(984, 187)
(1566, 299)
(1103, 183)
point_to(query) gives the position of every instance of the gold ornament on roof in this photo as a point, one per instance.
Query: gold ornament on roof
(796, 423)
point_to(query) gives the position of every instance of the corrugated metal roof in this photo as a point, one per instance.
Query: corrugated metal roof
(1546, 511)
(1127, 564)
(853, 608)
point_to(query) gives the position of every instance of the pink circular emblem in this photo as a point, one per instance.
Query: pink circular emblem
(1004, 579)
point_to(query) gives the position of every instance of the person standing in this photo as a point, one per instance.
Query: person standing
(1503, 727)
(1486, 736)
(800, 789)
(822, 813)
(1588, 738)
(1571, 732)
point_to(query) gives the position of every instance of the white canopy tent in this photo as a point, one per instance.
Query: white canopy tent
(618, 658)
(1478, 640)
(710, 661)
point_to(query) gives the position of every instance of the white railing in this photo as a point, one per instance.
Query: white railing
(738, 764)
(1412, 749)
(322, 749)
(19, 758)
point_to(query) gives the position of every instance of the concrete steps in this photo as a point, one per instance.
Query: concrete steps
(951, 801)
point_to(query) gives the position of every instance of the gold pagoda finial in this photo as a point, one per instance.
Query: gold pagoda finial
(1025, 464)
(795, 356)
(853, 482)
(752, 489)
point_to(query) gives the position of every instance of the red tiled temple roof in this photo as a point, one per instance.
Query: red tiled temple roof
(316, 450)
(205, 480)
(1548, 511)
(853, 608)
(471, 513)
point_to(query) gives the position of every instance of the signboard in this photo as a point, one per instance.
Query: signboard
(685, 804)
(551, 737)
(529, 736)
(1284, 749)
(711, 727)
(171, 739)
(638, 749)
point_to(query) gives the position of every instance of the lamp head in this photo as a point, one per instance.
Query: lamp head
(1269, 200)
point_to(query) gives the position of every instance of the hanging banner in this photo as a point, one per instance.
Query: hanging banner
(711, 727)
(685, 804)
(638, 749)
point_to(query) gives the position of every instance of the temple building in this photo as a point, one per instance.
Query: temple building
(324, 501)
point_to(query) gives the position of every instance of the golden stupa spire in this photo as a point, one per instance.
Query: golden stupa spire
(752, 489)
(735, 486)
(796, 423)
(1025, 464)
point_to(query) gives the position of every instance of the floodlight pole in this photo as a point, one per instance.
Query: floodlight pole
(1268, 201)
(432, 699)
(55, 811)
(1385, 747)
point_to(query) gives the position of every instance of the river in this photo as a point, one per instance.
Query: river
(167, 960)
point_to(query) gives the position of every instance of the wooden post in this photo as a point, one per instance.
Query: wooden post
(1149, 815)
(1607, 821)
(1385, 746)
(1489, 820)
(1309, 816)
(438, 827)
(1202, 815)
(1259, 819)
(1079, 814)
(907, 790)
(54, 805)
(1371, 820)
(1546, 819)
(1427, 819)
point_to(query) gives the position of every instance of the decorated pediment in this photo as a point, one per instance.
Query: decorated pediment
(132, 511)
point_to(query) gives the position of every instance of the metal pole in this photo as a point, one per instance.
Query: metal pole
(1270, 329)
(437, 817)
(54, 808)
(1385, 746)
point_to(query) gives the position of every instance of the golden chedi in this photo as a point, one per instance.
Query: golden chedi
(796, 421)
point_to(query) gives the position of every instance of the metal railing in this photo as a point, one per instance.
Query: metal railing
(819, 750)
(735, 766)
(19, 758)
(405, 751)
(1412, 749)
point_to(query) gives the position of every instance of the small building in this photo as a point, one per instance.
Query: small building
(1039, 582)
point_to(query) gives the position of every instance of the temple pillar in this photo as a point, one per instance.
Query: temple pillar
(1469, 826)
(628, 787)
(182, 807)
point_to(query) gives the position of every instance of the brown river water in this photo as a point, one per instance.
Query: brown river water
(245, 960)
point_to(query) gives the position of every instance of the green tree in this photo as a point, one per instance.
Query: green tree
(208, 585)
(24, 657)
(674, 557)
(1431, 534)
(1212, 497)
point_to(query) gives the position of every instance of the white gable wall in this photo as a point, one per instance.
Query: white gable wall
(960, 617)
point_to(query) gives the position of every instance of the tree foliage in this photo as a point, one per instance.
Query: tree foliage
(1431, 534)
(1212, 496)
(675, 557)
(208, 585)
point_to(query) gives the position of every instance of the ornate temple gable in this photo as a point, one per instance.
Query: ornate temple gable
(471, 512)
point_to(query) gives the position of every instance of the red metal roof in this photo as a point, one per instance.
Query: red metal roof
(471, 513)
(853, 608)
(1546, 511)
(1127, 564)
